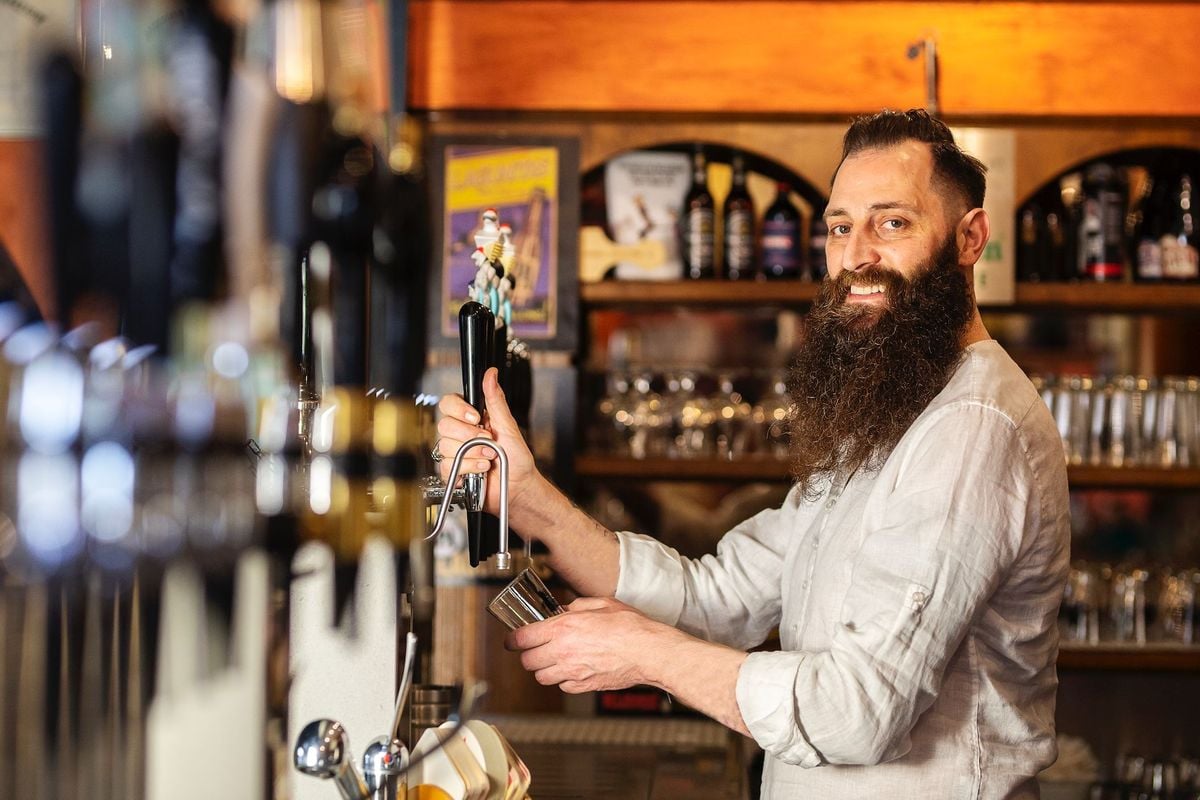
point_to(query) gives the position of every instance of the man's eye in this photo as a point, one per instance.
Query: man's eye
(839, 230)
(893, 224)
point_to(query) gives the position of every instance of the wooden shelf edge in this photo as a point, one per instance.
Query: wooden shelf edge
(709, 292)
(601, 466)
(1132, 659)
(1132, 478)
(761, 468)
(1115, 297)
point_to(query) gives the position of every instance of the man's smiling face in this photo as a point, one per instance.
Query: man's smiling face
(887, 222)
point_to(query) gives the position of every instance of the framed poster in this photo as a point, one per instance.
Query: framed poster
(28, 28)
(533, 185)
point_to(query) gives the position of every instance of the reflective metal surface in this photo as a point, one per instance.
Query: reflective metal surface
(323, 751)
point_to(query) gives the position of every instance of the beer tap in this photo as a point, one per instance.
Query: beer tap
(477, 330)
(323, 751)
(449, 496)
(386, 759)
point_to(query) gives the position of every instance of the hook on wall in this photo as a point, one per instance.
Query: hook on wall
(928, 46)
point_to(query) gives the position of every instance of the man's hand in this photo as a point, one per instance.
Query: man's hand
(461, 422)
(599, 644)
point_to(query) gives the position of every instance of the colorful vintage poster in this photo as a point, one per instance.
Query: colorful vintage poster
(521, 184)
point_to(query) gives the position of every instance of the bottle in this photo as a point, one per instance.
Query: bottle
(1150, 221)
(1061, 240)
(738, 219)
(818, 234)
(1030, 243)
(1179, 241)
(1102, 225)
(781, 237)
(699, 221)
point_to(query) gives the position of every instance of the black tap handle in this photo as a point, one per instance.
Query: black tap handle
(476, 329)
(476, 332)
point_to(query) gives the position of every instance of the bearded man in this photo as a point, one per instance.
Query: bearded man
(914, 572)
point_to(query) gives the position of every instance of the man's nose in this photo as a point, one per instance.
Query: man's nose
(860, 250)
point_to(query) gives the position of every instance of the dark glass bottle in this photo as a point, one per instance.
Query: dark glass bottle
(699, 221)
(780, 243)
(738, 220)
(1179, 242)
(1102, 225)
(1060, 240)
(1031, 240)
(1149, 225)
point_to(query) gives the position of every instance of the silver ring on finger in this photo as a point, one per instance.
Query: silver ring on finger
(436, 452)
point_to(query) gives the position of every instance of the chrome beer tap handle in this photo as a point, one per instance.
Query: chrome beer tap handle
(323, 751)
(503, 557)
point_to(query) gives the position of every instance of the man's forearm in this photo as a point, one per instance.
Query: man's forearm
(584, 552)
(699, 674)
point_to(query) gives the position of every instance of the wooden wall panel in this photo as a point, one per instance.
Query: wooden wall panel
(997, 58)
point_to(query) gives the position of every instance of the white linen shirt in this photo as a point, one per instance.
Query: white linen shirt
(916, 605)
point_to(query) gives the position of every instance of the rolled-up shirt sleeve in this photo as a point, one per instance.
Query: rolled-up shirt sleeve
(931, 555)
(733, 597)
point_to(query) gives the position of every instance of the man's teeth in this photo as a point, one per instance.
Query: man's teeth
(875, 289)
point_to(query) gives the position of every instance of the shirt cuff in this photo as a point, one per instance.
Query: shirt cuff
(766, 698)
(650, 577)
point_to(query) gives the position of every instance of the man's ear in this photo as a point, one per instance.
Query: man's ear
(972, 236)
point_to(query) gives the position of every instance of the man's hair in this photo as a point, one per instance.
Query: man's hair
(965, 175)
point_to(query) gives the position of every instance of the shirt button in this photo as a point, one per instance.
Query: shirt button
(831, 503)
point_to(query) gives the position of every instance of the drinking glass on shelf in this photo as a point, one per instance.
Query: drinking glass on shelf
(770, 416)
(647, 421)
(614, 415)
(1165, 451)
(1105, 405)
(1127, 605)
(731, 415)
(1081, 607)
(694, 418)
(1177, 606)
(1187, 422)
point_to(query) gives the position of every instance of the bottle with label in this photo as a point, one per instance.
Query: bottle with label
(1149, 225)
(818, 235)
(1179, 241)
(699, 222)
(738, 218)
(780, 242)
(1102, 225)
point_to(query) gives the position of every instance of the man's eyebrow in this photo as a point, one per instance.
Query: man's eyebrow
(884, 206)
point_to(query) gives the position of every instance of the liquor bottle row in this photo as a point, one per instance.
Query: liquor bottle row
(772, 248)
(1112, 224)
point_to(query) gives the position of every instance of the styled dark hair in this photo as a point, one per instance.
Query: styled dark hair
(962, 173)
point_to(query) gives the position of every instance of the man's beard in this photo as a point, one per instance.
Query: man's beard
(865, 372)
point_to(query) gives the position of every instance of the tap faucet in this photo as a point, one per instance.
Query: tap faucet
(446, 496)
(323, 751)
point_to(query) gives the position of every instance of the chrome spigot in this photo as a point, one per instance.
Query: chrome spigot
(385, 762)
(446, 496)
(386, 759)
(323, 751)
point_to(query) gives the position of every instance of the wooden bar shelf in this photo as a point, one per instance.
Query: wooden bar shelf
(698, 293)
(1111, 657)
(743, 469)
(1111, 297)
(771, 469)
